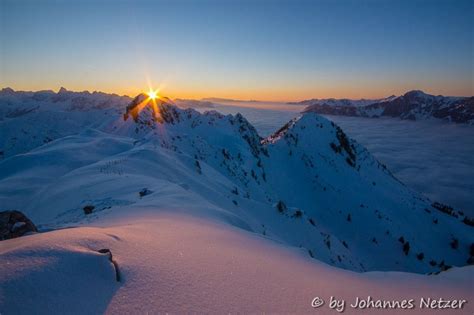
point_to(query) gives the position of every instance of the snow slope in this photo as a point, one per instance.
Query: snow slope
(31, 119)
(307, 191)
(431, 157)
(180, 264)
(308, 185)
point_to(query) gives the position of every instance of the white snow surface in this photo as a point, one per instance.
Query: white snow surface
(430, 156)
(181, 264)
(230, 222)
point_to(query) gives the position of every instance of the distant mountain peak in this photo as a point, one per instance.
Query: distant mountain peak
(416, 93)
(144, 109)
(62, 90)
(7, 91)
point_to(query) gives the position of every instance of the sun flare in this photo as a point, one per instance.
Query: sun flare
(153, 94)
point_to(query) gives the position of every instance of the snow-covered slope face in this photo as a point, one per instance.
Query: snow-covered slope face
(180, 264)
(414, 105)
(306, 186)
(31, 119)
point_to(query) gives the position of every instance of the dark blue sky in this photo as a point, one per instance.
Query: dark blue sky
(275, 50)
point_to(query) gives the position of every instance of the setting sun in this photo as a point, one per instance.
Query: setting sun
(152, 94)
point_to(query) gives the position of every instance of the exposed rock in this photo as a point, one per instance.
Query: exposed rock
(146, 111)
(13, 224)
(88, 209)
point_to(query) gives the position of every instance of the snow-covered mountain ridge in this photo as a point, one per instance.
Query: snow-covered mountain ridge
(307, 186)
(414, 105)
(31, 119)
(342, 101)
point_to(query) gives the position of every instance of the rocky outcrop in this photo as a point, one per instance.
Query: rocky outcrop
(14, 224)
(147, 111)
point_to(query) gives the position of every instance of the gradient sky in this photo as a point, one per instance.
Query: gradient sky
(270, 50)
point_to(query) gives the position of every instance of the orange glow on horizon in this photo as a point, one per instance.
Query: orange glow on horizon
(271, 94)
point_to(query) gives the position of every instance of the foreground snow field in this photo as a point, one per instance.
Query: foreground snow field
(180, 264)
(201, 214)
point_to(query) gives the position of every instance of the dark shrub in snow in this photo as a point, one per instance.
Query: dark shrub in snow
(468, 221)
(198, 166)
(88, 209)
(444, 208)
(470, 260)
(327, 241)
(298, 214)
(454, 243)
(281, 207)
(406, 248)
(443, 266)
(144, 192)
(335, 147)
